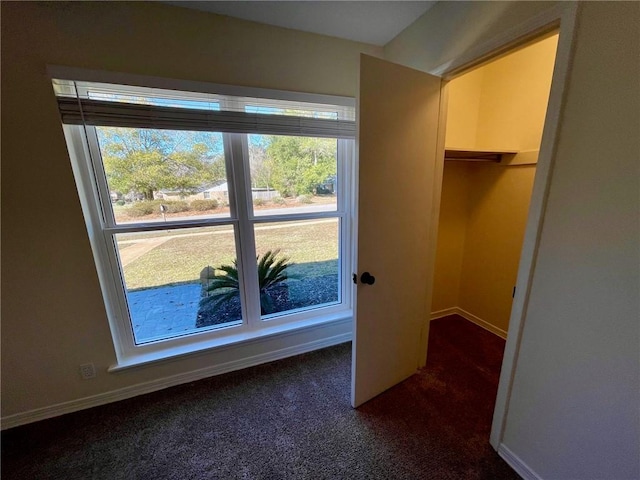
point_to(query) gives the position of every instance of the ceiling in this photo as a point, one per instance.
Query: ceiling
(374, 22)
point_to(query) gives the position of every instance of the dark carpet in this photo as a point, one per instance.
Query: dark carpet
(289, 419)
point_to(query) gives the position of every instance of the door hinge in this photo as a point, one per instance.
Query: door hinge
(355, 278)
(513, 294)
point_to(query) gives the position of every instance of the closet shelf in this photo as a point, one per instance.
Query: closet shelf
(471, 155)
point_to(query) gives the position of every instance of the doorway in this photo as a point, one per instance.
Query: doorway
(389, 107)
(495, 118)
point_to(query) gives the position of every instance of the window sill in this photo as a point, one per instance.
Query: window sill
(174, 353)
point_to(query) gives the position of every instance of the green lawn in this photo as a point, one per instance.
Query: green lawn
(311, 245)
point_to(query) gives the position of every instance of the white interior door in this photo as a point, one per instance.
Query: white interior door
(397, 151)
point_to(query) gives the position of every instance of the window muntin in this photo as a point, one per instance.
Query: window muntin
(101, 220)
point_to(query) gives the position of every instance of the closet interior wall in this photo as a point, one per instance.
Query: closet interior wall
(497, 107)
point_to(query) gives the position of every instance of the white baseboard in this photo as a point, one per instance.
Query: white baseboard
(471, 317)
(444, 313)
(517, 464)
(482, 323)
(162, 383)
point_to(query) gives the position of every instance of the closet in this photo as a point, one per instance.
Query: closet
(495, 119)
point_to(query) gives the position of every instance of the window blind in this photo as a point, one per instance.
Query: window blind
(112, 114)
(289, 118)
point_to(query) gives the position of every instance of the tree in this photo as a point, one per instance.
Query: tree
(145, 160)
(260, 168)
(299, 164)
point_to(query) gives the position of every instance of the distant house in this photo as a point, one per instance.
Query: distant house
(218, 191)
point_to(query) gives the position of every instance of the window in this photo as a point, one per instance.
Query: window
(212, 217)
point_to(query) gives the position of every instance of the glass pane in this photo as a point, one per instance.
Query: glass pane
(293, 174)
(298, 264)
(191, 104)
(109, 92)
(170, 278)
(164, 175)
(326, 112)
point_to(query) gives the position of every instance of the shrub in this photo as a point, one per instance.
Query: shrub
(148, 207)
(258, 202)
(278, 200)
(120, 203)
(304, 199)
(175, 206)
(140, 209)
(272, 272)
(202, 205)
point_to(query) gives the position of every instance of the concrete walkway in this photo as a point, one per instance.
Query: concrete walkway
(164, 311)
(138, 248)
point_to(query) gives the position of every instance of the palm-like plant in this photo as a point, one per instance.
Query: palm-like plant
(271, 273)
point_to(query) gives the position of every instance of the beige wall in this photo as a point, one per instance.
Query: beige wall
(574, 405)
(463, 109)
(53, 316)
(573, 410)
(483, 215)
(452, 228)
(449, 29)
(515, 93)
(498, 202)
(503, 103)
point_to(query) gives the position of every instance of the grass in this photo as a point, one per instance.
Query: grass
(313, 245)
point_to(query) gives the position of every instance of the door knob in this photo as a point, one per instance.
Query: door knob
(367, 278)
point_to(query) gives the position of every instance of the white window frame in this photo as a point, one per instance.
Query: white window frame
(83, 146)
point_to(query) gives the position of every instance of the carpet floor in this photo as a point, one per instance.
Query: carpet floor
(289, 419)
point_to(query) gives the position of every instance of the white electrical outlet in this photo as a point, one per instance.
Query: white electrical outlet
(87, 371)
